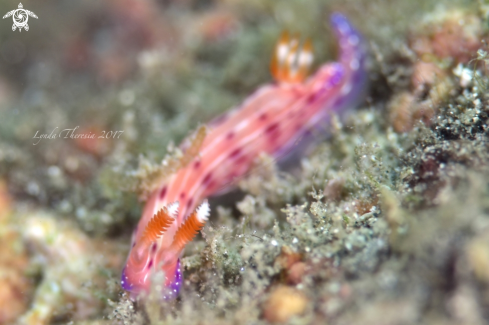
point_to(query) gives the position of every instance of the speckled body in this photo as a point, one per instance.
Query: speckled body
(271, 121)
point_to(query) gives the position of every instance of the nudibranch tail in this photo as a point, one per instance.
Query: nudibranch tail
(290, 62)
(353, 57)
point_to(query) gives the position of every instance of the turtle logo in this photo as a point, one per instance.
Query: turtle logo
(20, 17)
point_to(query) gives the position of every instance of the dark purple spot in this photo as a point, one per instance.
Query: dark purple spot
(153, 248)
(150, 264)
(133, 244)
(263, 117)
(211, 184)
(207, 178)
(189, 203)
(230, 135)
(271, 128)
(163, 193)
(335, 78)
(311, 98)
(196, 164)
(235, 153)
(182, 196)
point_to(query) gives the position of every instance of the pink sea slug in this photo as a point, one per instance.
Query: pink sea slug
(270, 121)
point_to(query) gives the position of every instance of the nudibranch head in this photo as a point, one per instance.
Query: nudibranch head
(148, 253)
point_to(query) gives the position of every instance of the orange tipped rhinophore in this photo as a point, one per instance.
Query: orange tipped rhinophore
(191, 227)
(159, 224)
(290, 62)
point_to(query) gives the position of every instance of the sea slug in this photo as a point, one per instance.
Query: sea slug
(271, 121)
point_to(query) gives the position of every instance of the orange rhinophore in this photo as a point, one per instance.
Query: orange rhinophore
(190, 227)
(290, 62)
(157, 226)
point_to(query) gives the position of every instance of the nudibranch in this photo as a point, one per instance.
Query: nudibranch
(270, 121)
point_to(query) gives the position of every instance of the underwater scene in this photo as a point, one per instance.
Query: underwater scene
(212, 162)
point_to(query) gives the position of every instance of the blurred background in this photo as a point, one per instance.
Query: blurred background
(156, 69)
